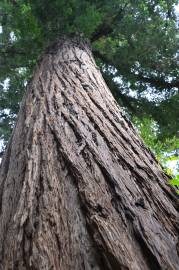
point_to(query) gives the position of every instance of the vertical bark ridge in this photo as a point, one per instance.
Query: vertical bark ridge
(79, 190)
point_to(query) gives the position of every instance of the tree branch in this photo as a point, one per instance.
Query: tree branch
(134, 105)
(105, 29)
(12, 51)
(159, 83)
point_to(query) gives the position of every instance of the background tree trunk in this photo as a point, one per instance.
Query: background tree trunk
(78, 189)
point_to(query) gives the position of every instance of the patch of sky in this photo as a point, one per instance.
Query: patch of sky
(13, 37)
(5, 84)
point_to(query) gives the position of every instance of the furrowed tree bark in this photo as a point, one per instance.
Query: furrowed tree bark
(78, 188)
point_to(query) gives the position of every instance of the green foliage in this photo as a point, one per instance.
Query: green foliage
(150, 133)
(10, 98)
(166, 152)
(175, 181)
(88, 24)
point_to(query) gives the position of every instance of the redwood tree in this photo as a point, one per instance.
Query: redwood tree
(78, 188)
(134, 42)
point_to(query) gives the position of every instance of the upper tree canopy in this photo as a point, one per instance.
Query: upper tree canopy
(133, 41)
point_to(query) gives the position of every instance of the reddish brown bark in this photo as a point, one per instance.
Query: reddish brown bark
(78, 188)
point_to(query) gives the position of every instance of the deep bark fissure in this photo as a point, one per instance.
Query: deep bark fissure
(110, 181)
(149, 257)
(84, 204)
(112, 184)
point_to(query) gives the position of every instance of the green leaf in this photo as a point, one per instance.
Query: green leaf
(175, 181)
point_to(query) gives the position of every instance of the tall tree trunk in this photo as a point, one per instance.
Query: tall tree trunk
(78, 188)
